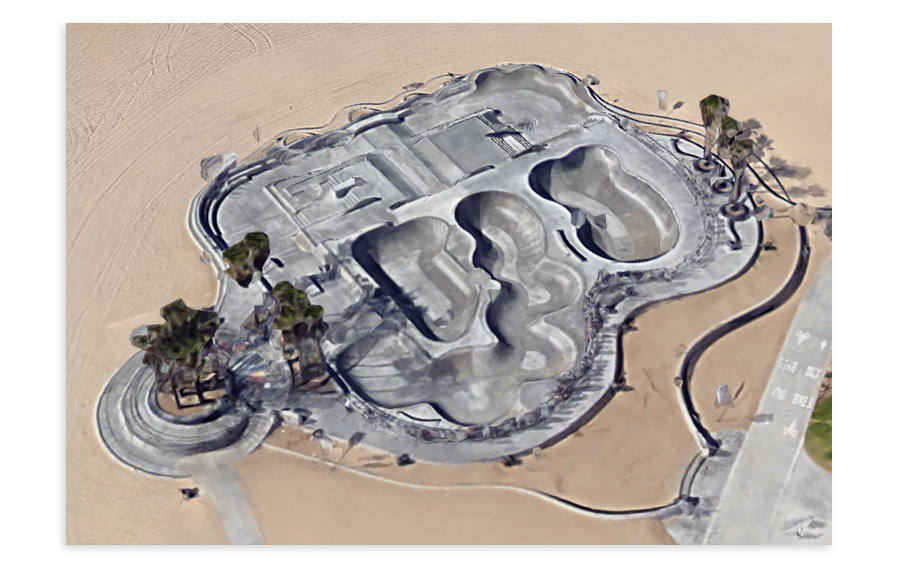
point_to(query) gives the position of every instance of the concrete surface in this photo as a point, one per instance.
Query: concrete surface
(144, 437)
(761, 496)
(408, 204)
(222, 484)
(705, 487)
(391, 223)
(806, 502)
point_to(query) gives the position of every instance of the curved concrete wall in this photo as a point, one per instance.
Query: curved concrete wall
(640, 224)
(472, 384)
(410, 260)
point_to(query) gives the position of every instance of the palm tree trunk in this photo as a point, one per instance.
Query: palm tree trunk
(712, 134)
(740, 176)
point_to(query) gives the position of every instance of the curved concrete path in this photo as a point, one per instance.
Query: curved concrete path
(144, 438)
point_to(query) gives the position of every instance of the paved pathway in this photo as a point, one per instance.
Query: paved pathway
(760, 495)
(806, 502)
(222, 485)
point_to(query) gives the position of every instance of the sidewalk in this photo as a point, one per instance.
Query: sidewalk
(755, 503)
(222, 485)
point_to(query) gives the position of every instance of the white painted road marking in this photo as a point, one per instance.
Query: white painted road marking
(787, 365)
(791, 430)
(803, 401)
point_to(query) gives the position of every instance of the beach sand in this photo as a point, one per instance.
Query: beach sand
(145, 103)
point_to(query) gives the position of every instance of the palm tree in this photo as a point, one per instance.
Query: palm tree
(740, 150)
(302, 329)
(712, 110)
(247, 257)
(180, 352)
(730, 128)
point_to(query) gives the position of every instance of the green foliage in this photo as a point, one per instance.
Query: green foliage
(236, 254)
(182, 337)
(294, 307)
(258, 242)
(713, 109)
(818, 434)
(302, 328)
(741, 149)
(731, 127)
(714, 102)
(246, 257)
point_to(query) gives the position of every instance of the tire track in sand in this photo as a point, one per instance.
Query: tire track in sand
(78, 320)
(76, 170)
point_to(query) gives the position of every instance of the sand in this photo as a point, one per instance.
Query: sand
(146, 102)
(309, 503)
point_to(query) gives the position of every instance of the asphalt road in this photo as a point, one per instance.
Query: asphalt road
(761, 497)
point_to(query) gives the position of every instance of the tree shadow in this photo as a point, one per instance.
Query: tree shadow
(780, 167)
(810, 191)
(763, 142)
(752, 124)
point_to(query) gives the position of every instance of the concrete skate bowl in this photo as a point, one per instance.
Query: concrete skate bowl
(411, 261)
(506, 350)
(531, 91)
(627, 219)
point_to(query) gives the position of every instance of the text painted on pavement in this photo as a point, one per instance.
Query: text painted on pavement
(790, 430)
(803, 401)
(786, 365)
